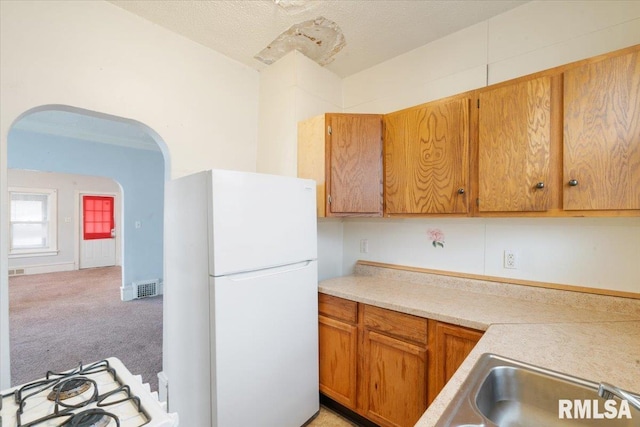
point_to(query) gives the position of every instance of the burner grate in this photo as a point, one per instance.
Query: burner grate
(76, 399)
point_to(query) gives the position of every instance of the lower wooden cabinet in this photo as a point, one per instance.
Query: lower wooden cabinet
(384, 365)
(393, 380)
(450, 345)
(338, 334)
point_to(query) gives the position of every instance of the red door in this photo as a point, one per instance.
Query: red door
(98, 247)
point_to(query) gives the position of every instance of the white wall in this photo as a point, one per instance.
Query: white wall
(599, 253)
(68, 187)
(96, 56)
(291, 90)
(445, 67)
(530, 38)
(589, 252)
(330, 248)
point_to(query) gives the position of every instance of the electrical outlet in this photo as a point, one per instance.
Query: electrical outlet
(364, 246)
(510, 259)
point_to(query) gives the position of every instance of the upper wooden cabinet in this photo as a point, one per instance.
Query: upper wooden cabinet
(602, 134)
(426, 152)
(343, 153)
(560, 142)
(514, 146)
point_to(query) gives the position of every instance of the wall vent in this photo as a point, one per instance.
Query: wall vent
(147, 288)
(16, 271)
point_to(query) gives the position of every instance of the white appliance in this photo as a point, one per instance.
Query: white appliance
(240, 300)
(102, 394)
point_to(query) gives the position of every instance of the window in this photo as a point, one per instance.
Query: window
(97, 216)
(33, 222)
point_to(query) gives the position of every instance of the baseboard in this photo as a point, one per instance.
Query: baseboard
(126, 292)
(346, 412)
(42, 268)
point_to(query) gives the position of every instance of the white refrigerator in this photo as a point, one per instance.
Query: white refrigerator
(240, 300)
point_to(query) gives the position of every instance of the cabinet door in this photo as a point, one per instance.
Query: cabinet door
(514, 146)
(338, 359)
(450, 345)
(427, 159)
(355, 164)
(602, 134)
(395, 380)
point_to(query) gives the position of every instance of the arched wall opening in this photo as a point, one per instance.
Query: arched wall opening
(73, 142)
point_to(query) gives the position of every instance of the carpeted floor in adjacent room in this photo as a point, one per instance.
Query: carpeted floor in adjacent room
(59, 320)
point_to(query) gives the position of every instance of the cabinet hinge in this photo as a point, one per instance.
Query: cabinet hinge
(329, 129)
(478, 202)
(329, 198)
(478, 103)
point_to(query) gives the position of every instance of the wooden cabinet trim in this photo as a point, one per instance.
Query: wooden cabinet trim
(311, 157)
(338, 308)
(394, 323)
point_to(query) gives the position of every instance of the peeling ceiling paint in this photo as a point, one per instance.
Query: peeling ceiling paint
(375, 31)
(318, 39)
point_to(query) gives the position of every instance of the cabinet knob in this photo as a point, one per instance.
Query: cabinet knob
(460, 190)
(573, 182)
(540, 185)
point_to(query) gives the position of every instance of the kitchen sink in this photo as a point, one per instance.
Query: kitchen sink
(508, 393)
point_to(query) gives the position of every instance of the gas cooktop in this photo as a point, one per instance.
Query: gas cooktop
(101, 394)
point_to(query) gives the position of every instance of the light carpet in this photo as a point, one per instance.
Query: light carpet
(59, 320)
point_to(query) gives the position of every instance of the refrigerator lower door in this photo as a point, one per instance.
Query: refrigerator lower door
(264, 347)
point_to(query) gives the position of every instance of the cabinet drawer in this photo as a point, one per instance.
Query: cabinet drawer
(338, 308)
(397, 324)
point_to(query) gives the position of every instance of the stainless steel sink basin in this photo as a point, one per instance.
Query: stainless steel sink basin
(508, 393)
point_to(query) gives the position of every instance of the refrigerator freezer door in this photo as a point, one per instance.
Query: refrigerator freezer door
(260, 221)
(264, 347)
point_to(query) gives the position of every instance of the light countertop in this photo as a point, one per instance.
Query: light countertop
(600, 344)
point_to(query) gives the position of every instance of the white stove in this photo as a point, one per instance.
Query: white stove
(101, 394)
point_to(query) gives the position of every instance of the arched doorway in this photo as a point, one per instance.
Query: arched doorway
(78, 143)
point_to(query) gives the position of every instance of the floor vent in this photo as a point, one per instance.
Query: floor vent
(16, 271)
(147, 288)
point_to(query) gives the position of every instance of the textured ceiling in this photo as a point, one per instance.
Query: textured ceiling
(374, 30)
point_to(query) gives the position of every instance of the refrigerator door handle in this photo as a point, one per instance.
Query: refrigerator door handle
(236, 277)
